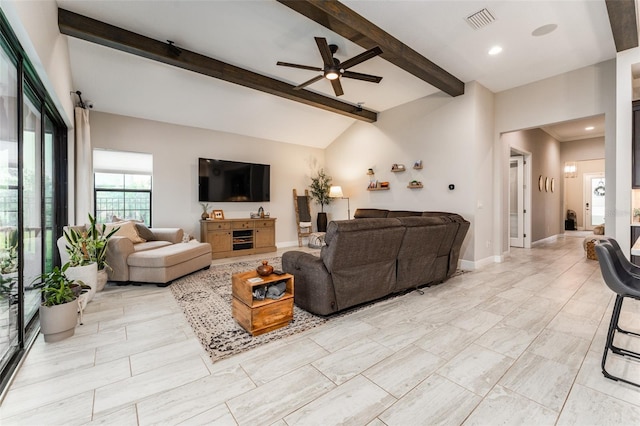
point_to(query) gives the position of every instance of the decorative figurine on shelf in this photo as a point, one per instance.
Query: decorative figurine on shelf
(261, 212)
(264, 269)
(370, 172)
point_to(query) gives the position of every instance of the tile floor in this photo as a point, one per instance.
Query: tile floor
(518, 343)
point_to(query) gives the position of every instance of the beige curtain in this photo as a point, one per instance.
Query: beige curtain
(83, 166)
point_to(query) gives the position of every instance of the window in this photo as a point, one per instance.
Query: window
(122, 185)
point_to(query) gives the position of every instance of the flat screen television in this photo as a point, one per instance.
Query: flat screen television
(232, 181)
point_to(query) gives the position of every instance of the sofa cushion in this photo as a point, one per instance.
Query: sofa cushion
(402, 213)
(150, 245)
(169, 255)
(145, 232)
(127, 229)
(370, 213)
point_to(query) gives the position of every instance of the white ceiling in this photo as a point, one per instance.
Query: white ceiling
(256, 34)
(577, 129)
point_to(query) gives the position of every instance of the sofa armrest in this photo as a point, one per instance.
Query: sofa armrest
(118, 250)
(173, 235)
(313, 286)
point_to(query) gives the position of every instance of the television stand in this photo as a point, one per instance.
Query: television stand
(239, 237)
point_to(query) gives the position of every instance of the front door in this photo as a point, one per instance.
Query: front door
(594, 189)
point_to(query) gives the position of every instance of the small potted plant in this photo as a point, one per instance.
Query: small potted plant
(636, 215)
(59, 309)
(320, 186)
(205, 213)
(87, 251)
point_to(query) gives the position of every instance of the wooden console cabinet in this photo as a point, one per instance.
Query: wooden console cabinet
(239, 237)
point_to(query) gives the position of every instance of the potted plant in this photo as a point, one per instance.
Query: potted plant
(205, 213)
(320, 186)
(636, 215)
(59, 309)
(98, 241)
(87, 251)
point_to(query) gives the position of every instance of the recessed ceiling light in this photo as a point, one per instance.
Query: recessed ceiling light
(544, 30)
(495, 50)
(589, 128)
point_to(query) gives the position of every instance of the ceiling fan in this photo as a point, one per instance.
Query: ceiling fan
(333, 69)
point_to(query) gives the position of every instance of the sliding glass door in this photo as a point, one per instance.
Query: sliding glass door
(33, 196)
(32, 234)
(9, 324)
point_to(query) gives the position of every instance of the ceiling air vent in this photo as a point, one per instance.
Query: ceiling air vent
(480, 19)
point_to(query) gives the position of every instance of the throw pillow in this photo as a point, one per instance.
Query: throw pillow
(145, 232)
(127, 229)
(115, 218)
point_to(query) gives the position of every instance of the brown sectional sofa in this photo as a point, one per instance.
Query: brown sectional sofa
(380, 253)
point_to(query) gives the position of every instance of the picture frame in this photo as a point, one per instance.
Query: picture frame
(218, 214)
(540, 183)
(547, 183)
(553, 185)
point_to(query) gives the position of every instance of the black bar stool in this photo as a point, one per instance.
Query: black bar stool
(618, 277)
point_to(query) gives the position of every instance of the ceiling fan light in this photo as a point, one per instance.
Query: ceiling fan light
(332, 75)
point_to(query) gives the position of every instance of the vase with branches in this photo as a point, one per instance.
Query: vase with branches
(319, 190)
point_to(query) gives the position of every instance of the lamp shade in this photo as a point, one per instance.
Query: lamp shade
(335, 192)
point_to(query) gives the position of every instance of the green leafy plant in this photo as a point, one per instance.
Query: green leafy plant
(636, 212)
(89, 246)
(205, 207)
(56, 288)
(9, 253)
(320, 186)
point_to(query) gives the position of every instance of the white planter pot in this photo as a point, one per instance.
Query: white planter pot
(87, 274)
(59, 321)
(102, 279)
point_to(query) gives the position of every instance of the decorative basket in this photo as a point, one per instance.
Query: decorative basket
(591, 250)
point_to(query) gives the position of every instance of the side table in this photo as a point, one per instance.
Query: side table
(261, 316)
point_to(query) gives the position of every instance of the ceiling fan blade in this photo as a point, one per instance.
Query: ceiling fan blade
(308, 82)
(363, 77)
(337, 87)
(373, 52)
(304, 67)
(325, 52)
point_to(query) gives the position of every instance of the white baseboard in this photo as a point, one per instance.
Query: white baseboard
(545, 240)
(470, 265)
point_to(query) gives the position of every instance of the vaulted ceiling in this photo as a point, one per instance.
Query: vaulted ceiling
(254, 35)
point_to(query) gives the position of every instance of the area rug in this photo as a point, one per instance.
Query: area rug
(205, 298)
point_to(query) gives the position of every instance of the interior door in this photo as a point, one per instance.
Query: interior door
(516, 201)
(594, 208)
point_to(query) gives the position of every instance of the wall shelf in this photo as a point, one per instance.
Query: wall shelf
(378, 189)
(418, 186)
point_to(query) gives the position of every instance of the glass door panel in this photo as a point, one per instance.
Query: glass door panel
(32, 202)
(9, 324)
(49, 206)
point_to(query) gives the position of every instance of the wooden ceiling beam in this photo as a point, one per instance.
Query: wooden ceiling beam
(622, 17)
(82, 27)
(343, 21)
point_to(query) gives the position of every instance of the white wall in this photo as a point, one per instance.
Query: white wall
(35, 23)
(175, 152)
(581, 150)
(452, 137)
(581, 93)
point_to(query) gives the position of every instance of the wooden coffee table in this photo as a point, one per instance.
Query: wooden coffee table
(261, 316)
